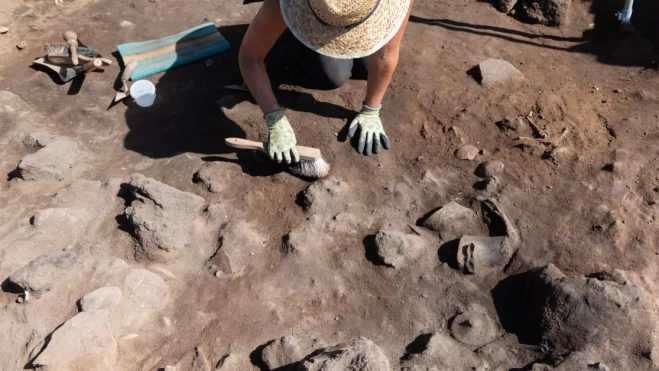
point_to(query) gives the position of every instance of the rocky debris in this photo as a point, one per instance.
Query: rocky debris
(238, 242)
(489, 168)
(322, 195)
(398, 249)
(508, 124)
(496, 72)
(4, 30)
(506, 6)
(474, 327)
(489, 185)
(72, 219)
(234, 362)
(21, 45)
(467, 152)
(479, 254)
(444, 353)
(52, 162)
(146, 294)
(85, 342)
(42, 273)
(505, 353)
(213, 176)
(547, 12)
(126, 24)
(105, 298)
(494, 211)
(282, 352)
(162, 217)
(453, 221)
(575, 313)
(200, 361)
(360, 354)
(307, 239)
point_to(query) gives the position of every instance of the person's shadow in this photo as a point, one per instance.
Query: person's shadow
(187, 117)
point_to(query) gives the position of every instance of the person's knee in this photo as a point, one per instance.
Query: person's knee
(334, 77)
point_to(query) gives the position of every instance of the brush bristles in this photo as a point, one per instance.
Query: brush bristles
(311, 169)
(56, 48)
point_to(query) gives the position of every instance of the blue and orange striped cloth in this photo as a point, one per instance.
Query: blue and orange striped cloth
(174, 51)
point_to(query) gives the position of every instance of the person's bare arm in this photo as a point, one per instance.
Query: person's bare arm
(382, 66)
(261, 35)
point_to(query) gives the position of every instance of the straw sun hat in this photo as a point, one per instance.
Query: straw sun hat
(344, 28)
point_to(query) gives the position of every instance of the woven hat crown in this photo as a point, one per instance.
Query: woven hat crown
(342, 12)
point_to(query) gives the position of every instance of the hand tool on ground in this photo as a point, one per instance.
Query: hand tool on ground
(68, 73)
(128, 72)
(71, 38)
(311, 165)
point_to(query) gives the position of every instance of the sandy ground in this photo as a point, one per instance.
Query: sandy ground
(592, 208)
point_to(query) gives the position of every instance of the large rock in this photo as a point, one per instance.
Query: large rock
(105, 298)
(398, 249)
(281, 352)
(454, 221)
(496, 72)
(85, 342)
(506, 6)
(547, 12)
(162, 217)
(215, 176)
(239, 243)
(52, 162)
(71, 219)
(321, 196)
(480, 254)
(444, 353)
(146, 294)
(307, 239)
(474, 327)
(575, 313)
(358, 355)
(48, 270)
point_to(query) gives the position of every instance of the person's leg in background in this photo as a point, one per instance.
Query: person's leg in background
(360, 68)
(324, 72)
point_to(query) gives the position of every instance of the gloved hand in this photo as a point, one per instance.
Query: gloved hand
(372, 133)
(281, 138)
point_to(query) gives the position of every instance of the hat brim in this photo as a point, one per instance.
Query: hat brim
(357, 42)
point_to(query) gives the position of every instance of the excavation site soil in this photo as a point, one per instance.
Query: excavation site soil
(512, 225)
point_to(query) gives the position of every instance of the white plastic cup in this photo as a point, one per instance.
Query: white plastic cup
(144, 93)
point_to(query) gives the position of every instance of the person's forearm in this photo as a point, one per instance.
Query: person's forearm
(381, 69)
(257, 80)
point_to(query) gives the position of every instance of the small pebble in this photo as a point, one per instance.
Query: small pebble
(166, 321)
(209, 62)
(125, 24)
(489, 168)
(218, 274)
(467, 152)
(21, 45)
(4, 30)
(617, 91)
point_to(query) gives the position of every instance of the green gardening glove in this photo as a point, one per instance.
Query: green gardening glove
(372, 134)
(281, 138)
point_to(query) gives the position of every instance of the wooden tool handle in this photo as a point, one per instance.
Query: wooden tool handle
(93, 65)
(66, 59)
(72, 39)
(128, 72)
(306, 153)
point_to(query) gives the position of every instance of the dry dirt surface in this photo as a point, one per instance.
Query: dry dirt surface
(511, 226)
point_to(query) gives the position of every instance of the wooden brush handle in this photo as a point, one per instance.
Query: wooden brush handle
(72, 39)
(93, 65)
(66, 59)
(306, 153)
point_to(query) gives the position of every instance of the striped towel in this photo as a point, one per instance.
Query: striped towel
(174, 51)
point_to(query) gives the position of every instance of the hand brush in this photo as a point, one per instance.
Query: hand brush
(311, 165)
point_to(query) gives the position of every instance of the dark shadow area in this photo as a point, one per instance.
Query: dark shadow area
(606, 40)
(189, 114)
(512, 304)
(30, 364)
(10, 287)
(12, 175)
(448, 253)
(122, 221)
(301, 200)
(256, 359)
(427, 215)
(371, 252)
(475, 73)
(495, 224)
(417, 346)
(252, 163)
